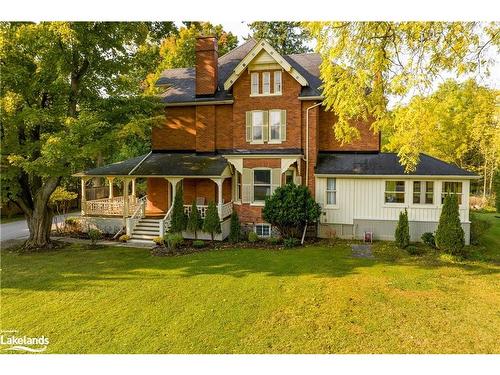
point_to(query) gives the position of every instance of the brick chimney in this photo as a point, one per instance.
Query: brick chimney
(206, 65)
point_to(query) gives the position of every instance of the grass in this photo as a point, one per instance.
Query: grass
(490, 242)
(316, 299)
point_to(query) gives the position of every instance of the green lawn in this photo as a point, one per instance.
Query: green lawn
(491, 240)
(312, 300)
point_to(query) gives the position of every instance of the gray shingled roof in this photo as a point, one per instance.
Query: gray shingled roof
(382, 164)
(182, 81)
(164, 164)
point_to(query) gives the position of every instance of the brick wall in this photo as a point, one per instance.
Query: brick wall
(178, 132)
(224, 126)
(157, 201)
(206, 65)
(262, 163)
(313, 141)
(288, 101)
(369, 141)
(205, 128)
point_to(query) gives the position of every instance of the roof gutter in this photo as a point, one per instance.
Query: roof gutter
(205, 102)
(311, 97)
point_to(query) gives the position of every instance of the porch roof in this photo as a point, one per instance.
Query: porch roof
(164, 164)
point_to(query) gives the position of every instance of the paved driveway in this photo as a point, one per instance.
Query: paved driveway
(18, 230)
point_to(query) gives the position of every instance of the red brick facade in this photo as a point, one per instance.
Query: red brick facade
(206, 66)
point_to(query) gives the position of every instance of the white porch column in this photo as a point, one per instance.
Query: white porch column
(219, 182)
(83, 182)
(110, 180)
(173, 181)
(125, 200)
(133, 187)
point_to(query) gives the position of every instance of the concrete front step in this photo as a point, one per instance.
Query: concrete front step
(143, 237)
(147, 225)
(142, 242)
(153, 233)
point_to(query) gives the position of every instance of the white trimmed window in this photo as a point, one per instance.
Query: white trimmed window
(452, 187)
(275, 125)
(255, 83)
(331, 191)
(277, 82)
(261, 184)
(263, 230)
(423, 192)
(394, 192)
(258, 125)
(266, 83)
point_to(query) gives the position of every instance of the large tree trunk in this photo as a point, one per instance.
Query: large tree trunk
(40, 225)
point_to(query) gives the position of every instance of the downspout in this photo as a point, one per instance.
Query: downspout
(307, 160)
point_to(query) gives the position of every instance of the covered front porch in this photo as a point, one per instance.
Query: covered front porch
(201, 178)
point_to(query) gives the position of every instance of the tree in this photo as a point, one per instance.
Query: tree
(178, 51)
(54, 74)
(497, 190)
(235, 231)
(450, 236)
(286, 37)
(195, 222)
(179, 219)
(290, 208)
(402, 234)
(211, 224)
(367, 63)
(457, 123)
(60, 201)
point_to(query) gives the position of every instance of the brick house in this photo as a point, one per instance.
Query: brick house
(240, 125)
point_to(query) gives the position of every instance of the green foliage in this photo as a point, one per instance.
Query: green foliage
(252, 237)
(429, 239)
(195, 221)
(124, 238)
(94, 235)
(212, 220)
(291, 242)
(366, 63)
(235, 230)
(286, 37)
(198, 244)
(402, 234)
(179, 219)
(415, 250)
(72, 221)
(478, 228)
(173, 240)
(274, 240)
(496, 183)
(290, 208)
(450, 236)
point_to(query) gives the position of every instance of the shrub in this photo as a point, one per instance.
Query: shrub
(415, 250)
(402, 235)
(450, 236)
(290, 208)
(291, 242)
(496, 183)
(173, 240)
(428, 239)
(72, 224)
(124, 238)
(274, 240)
(94, 235)
(198, 244)
(179, 218)
(235, 231)
(158, 241)
(212, 220)
(477, 228)
(195, 221)
(252, 237)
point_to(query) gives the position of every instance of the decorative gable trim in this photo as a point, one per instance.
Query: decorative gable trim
(263, 45)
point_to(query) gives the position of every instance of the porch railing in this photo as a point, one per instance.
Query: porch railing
(138, 214)
(111, 206)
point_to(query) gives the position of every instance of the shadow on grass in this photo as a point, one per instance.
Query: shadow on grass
(77, 268)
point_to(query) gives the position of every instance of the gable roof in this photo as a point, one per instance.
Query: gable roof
(262, 45)
(182, 84)
(383, 164)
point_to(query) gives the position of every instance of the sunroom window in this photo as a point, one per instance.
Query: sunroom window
(394, 192)
(452, 187)
(331, 191)
(423, 192)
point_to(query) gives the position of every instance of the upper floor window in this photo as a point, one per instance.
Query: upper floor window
(257, 125)
(266, 83)
(275, 125)
(452, 187)
(423, 192)
(263, 126)
(277, 82)
(255, 83)
(261, 184)
(331, 191)
(394, 192)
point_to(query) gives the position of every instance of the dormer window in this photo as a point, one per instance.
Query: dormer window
(266, 83)
(255, 84)
(277, 82)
